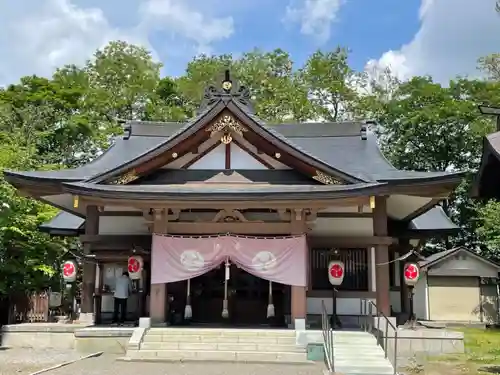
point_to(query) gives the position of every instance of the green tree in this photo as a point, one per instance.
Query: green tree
(29, 259)
(278, 93)
(428, 127)
(489, 229)
(332, 84)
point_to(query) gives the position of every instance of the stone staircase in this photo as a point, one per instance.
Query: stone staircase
(358, 353)
(230, 345)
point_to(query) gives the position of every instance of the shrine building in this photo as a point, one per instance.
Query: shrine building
(228, 212)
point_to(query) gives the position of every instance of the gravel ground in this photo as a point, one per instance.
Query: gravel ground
(107, 365)
(26, 361)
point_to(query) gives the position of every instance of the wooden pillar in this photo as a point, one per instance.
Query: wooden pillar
(405, 247)
(158, 296)
(382, 275)
(298, 296)
(89, 268)
(98, 293)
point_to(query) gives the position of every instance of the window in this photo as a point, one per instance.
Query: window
(356, 268)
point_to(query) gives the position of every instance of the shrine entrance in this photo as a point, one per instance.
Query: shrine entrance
(199, 270)
(248, 298)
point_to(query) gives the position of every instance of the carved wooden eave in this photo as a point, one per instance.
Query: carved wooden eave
(149, 214)
(305, 214)
(229, 215)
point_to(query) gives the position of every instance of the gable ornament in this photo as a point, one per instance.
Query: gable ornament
(326, 179)
(226, 123)
(125, 178)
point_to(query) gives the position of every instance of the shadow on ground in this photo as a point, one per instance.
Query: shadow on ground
(490, 369)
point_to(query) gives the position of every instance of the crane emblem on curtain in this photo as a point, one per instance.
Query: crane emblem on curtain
(264, 261)
(192, 260)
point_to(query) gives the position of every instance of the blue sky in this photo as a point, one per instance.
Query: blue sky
(441, 38)
(367, 27)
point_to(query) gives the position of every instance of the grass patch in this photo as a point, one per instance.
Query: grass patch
(481, 357)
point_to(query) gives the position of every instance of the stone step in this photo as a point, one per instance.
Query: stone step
(355, 345)
(226, 339)
(358, 349)
(355, 359)
(223, 346)
(356, 340)
(362, 362)
(222, 332)
(382, 370)
(218, 355)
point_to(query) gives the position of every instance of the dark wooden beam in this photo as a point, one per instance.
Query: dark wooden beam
(253, 154)
(345, 215)
(351, 242)
(121, 213)
(200, 155)
(227, 164)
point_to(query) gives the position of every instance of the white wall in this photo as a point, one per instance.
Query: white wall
(123, 225)
(342, 227)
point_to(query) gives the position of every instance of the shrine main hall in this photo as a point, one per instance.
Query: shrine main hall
(230, 214)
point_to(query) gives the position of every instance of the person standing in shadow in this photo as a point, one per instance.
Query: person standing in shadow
(122, 292)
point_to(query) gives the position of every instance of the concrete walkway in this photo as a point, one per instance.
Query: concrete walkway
(107, 365)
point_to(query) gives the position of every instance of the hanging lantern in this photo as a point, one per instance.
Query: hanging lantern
(411, 274)
(336, 272)
(69, 271)
(134, 267)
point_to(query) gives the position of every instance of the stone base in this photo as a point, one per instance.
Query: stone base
(145, 322)
(86, 318)
(299, 324)
(113, 340)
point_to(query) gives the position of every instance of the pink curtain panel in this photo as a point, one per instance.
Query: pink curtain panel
(281, 260)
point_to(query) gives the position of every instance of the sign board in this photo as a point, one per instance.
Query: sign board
(55, 299)
(411, 274)
(336, 272)
(69, 271)
(135, 266)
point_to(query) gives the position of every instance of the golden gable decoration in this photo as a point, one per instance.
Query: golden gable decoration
(226, 123)
(326, 179)
(125, 178)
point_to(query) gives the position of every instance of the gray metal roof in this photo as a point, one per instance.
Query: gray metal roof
(336, 144)
(63, 224)
(437, 257)
(217, 192)
(432, 219)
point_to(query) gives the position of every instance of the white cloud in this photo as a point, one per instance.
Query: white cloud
(190, 23)
(453, 34)
(38, 36)
(315, 17)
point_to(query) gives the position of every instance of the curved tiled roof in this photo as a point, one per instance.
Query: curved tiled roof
(335, 144)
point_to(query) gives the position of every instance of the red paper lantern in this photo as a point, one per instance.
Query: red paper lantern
(411, 273)
(336, 272)
(69, 271)
(135, 266)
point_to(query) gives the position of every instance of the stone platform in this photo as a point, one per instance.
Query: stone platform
(80, 337)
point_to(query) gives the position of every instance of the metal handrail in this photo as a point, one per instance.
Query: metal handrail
(327, 338)
(367, 314)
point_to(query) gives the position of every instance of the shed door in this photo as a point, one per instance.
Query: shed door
(454, 298)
